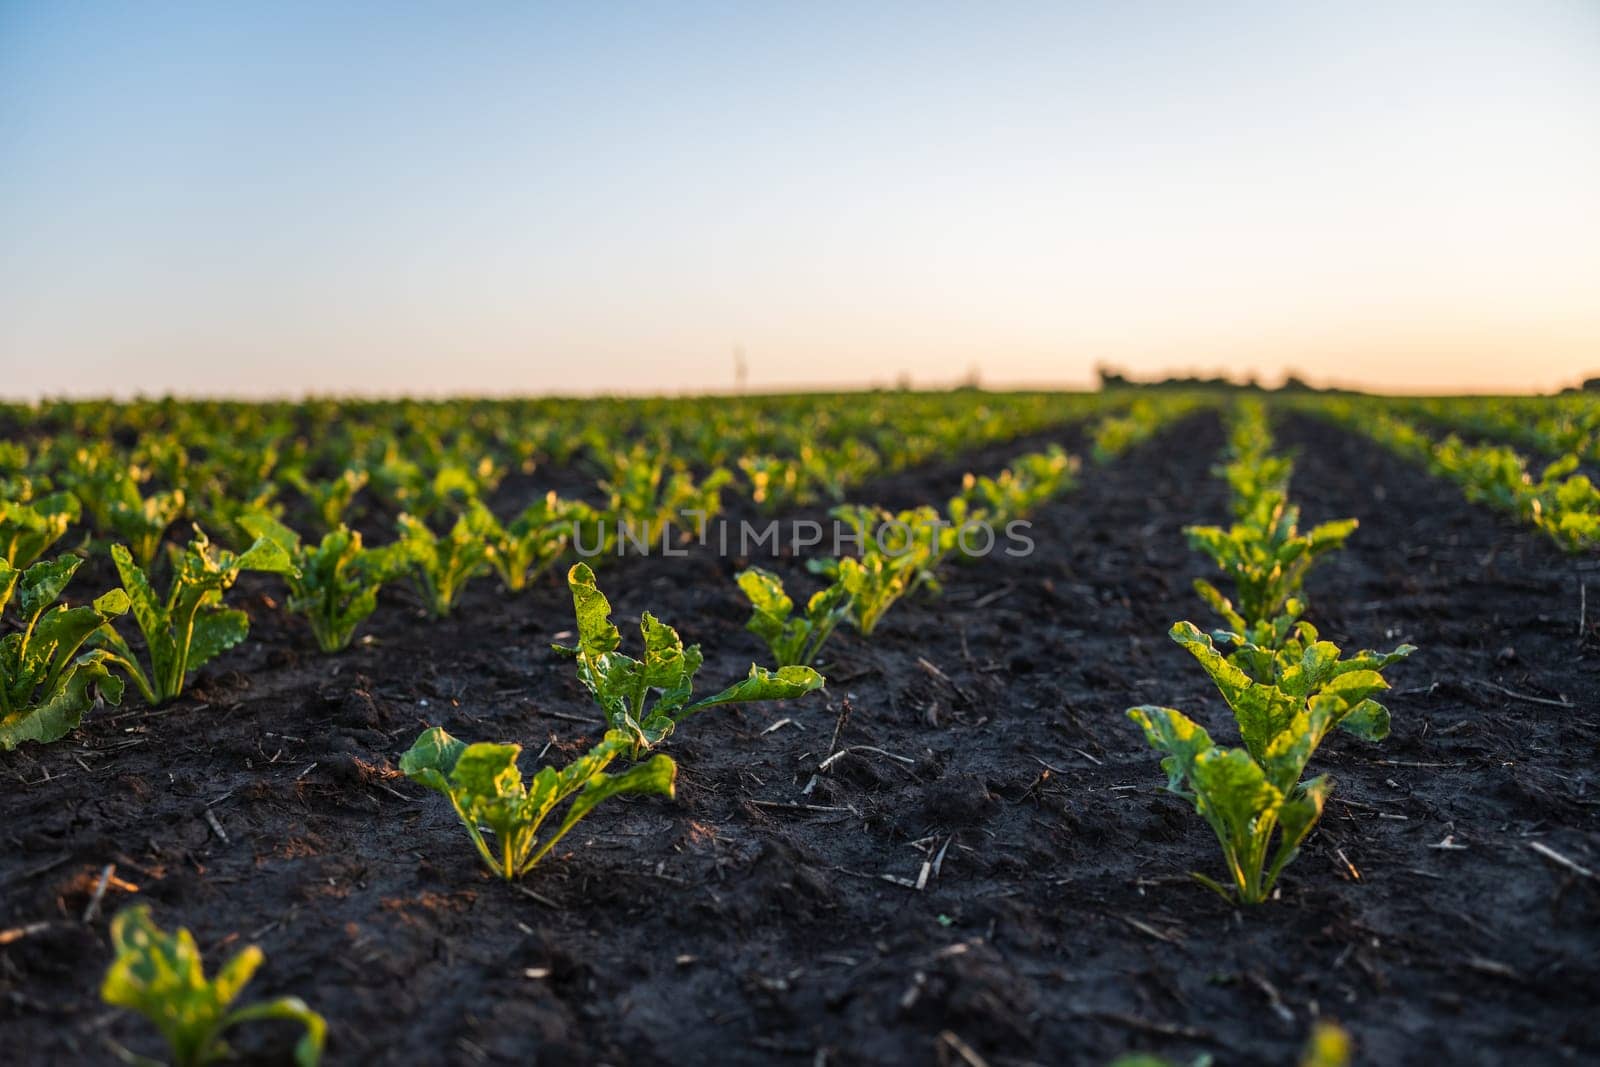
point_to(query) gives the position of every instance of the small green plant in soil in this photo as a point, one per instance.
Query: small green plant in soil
(184, 630)
(335, 584)
(441, 567)
(1251, 795)
(795, 640)
(647, 699)
(529, 544)
(1266, 556)
(899, 553)
(330, 499)
(486, 789)
(160, 976)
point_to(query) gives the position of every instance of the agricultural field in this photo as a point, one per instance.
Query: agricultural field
(1141, 726)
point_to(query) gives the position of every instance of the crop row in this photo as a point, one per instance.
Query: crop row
(1547, 426)
(1287, 688)
(1561, 502)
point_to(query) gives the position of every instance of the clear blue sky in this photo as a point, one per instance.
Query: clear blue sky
(282, 197)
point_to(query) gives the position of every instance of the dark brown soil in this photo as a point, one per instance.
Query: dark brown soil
(733, 926)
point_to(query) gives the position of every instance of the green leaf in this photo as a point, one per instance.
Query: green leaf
(763, 684)
(765, 591)
(1331, 535)
(1349, 689)
(116, 602)
(1230, 680)
(265, 527)
(487, 770)
(216, 631)
(1182, 740)
(432, 759)
(148, 611)
(267, 556)
(1221, 605)
(1368, 720)
(1368, 660)
(9, 576)
(657, 775)
(665, 661)
(43, 583)
(596, 634)
(1317, 664)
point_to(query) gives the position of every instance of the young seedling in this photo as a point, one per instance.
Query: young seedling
(647, 699)
(1565, 505)
(1254, 484)
(334, 585)
(899, 553)
(486, 789)
(330, 499)
(775, 482)
(441, 567)
(794, 640)
(160, 976)
(1252, 794)
(142, 521)
(45, 684)
(649, 492)
(527, 546)
(107, 485)
(184, 631)
(1031, 480)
